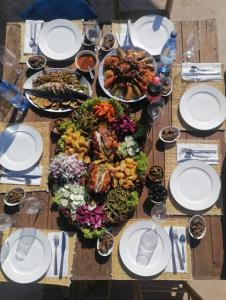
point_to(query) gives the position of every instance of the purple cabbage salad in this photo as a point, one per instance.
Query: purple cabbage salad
(90, 217)
(124, 125)
(67, 167)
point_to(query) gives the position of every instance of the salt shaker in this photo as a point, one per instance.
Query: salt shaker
(147, 245)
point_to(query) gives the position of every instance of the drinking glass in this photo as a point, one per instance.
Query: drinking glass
(32, 205)
(8, 59)
(6, 222)
(154, 111)
(158, 212)
(93, 34)
(191, 46)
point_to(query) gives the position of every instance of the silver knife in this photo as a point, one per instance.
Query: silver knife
(63, 247)
(173, 254)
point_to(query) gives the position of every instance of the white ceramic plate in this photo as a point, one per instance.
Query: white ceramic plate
(60, 39)
(101, 76)
(203, 107)
(34, 266)
(151, 33)
(20, 148)
(28, 85)
(129, 243)
(195, 185)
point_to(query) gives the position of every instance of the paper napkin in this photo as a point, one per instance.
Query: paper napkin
(169, 268)
(209, 158)
(50, 272)
(11, 177)
(27, 35)
(204, 74)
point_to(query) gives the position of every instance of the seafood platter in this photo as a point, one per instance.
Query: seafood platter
(57, 90)
(125, 73)
(97, 173)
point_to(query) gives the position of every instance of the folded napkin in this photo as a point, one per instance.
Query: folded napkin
(205, 71)
(209, 158)
(50, 272)
(14, 177)
(169, 268)
(27, 35)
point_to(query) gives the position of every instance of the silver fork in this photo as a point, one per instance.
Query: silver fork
(32, 42)
(56, 244)
(175, 238)
(191, 152)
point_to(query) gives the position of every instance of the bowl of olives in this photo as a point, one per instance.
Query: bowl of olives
(197, 227)
(156, 174)
(157, 194)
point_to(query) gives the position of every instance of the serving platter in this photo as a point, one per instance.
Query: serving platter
(195, 185)
(203, 107)
(60, 39)
(101, 78)
(20, 148)
(151, 33)
(28, 85)
(129, 244)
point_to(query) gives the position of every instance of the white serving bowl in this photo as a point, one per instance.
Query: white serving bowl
(168, 141)
(110, 250)
(189, 227)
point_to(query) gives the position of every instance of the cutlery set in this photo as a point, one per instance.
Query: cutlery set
(173, 234)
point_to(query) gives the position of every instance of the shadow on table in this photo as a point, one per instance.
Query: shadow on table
(223, 221)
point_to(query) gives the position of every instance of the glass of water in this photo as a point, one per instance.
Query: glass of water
(6, 222)
(191, 46)
(32, 205)
(93, 33)
(8, 59)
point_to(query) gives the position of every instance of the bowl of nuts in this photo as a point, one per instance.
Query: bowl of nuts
(36, 62)
(156, 174)
(14, 196)
(105, 244)
(197, 227)
(169, 134)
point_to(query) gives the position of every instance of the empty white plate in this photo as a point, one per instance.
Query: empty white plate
(195, 185)
(151, 33)
(20, 148)
(203, 107)
(34, 266)
(129, 243)
(60, 39)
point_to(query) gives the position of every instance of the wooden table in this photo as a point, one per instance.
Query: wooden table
(208, 255)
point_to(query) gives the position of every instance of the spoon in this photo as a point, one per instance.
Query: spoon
(90, 73)
(182, 240)
(196, 69)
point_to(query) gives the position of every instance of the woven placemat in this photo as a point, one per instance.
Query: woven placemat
(179, 87)
(173, 208)
(43, 128)
(65, 281)
(24, 57)
(119, 271)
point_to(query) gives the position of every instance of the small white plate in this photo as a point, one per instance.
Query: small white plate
(34, 266)
(28, 85)
(203, 107)
(128, 248)
(195, 185)
(20, 148)
(151, 33)
(60, 39)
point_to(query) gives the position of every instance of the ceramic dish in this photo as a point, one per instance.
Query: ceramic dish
(198, 219)
(36, 263)
(60, 39)
(151, 33)
(173, 134)
(109, 250)
(203, 107)
(128, 248)
(28, 85)
(21, 147)
(195, 185)
(107, 41)
(84, 59)
(12, 194)
(31, 64)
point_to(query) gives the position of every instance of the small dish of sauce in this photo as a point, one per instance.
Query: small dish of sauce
(85, 59)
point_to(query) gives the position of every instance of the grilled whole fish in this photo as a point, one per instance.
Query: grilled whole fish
(59, 90)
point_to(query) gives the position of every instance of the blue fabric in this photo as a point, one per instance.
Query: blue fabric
(58, 9)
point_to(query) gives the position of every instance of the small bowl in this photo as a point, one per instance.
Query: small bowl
(105, 39)
(169, 128)
(167, 82)
(17, 189)
(86, 53)
(152, 193)
(40, 57)
(202, 234)
(109, 250)
(151, 175)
